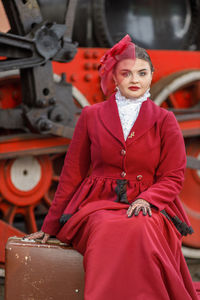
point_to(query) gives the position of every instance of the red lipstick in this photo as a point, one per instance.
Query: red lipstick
(133, 88)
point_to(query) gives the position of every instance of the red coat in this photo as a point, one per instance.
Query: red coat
(124, 258)
(154, 161)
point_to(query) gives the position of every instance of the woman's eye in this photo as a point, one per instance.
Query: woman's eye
(142, 73)
(125, 74)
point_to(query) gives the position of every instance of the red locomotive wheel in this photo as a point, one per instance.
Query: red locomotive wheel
(190, 195)
(178, 90)
(182, 90)
(27, 188)
(24, 180)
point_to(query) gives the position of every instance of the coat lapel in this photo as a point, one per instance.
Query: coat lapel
(146, 119)
(109, 115)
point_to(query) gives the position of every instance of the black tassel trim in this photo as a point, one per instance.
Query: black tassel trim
(64, 218)
(121, 191)
(182, 227)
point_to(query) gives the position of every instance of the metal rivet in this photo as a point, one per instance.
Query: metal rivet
(88, 77)
(95, 54)
(73, 77)
(87, 66)
(87, 54)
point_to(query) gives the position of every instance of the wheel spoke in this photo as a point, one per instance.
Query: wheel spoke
(55, 156)
(56, 178)
(47, 200)
(173, 101)
(30, 219)
(10, 215)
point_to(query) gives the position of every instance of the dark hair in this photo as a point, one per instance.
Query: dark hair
(141, 53)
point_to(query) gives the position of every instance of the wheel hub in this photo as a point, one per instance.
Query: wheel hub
(24, 180)
(25, 173)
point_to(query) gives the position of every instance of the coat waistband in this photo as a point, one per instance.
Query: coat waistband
(136, 177)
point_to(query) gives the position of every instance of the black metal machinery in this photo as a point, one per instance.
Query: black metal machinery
(42, 31)
(47, 107)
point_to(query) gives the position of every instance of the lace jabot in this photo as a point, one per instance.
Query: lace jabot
(128, 110)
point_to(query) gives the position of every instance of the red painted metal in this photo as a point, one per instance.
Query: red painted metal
(10, 92)
(82, 72)
(15, 201)
(190, 128)
(25, 144)
(6, 231)
(190, 195)
(24, 198)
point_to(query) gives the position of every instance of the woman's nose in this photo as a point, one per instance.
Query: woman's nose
(134, 78)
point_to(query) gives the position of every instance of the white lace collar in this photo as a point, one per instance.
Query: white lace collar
(125, 101)
(129, 110)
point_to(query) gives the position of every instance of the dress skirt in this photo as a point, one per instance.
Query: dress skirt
(136, 258)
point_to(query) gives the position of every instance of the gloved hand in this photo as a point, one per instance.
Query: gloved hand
(137, 206)
(38, 235)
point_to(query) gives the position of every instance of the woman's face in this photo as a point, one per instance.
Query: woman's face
(133, 77)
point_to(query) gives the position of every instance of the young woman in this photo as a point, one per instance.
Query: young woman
(117, 200)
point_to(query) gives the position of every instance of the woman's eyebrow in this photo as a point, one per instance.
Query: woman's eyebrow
(142, 70)
(122, 70)
(125, 70)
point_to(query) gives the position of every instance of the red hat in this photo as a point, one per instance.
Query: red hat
(122, 50)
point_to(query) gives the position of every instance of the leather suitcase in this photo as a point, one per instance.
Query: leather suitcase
(35, 271)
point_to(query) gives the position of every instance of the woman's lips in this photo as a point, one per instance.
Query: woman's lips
(133, 88)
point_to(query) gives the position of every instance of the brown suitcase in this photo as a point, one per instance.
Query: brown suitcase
(36, 271)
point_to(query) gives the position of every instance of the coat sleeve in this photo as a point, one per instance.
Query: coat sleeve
(171, 168)
(76, 166)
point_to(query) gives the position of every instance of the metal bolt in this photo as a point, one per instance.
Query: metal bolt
(52, 101)
(48, 126)
(95, 54)
(87, 54)
(44, 124)
(87, 66)
(73, 77)
(59, 117)
(41, 102)
(88, 77)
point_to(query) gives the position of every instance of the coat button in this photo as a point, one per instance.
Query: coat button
(123, 174)
(123, 152)
(139, 177)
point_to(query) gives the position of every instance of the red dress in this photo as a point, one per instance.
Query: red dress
(125, 258)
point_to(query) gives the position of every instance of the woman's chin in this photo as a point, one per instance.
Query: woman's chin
(133, 94)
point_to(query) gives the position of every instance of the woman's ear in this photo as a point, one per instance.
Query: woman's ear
(114, 79)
